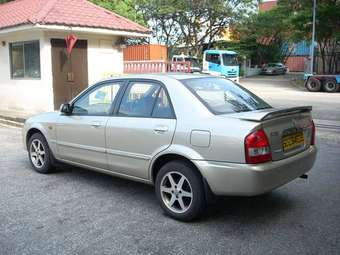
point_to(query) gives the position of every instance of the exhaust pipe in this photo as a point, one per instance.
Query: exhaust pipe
(304, 176)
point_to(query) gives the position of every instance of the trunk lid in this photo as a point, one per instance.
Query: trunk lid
(289, 130)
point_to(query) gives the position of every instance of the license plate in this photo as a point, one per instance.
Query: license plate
(292, 141)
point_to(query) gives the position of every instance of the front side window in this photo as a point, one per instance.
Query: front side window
(25, 59)
(193, 61)
(139, 99)
(98, 101)
(213, 58)
(222, 96)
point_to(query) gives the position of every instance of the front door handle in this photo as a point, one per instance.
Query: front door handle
(96, 124)
(161, 129)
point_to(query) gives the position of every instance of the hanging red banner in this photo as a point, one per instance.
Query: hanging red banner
(70, 42)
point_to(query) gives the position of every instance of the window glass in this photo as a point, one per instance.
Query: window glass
(139, 100)
(193, 61)
(162, 107)
(223, 96)
(98, 101)
(229, 60)
(32, 60)
(17, 60)
(213, 58)
(25, 59)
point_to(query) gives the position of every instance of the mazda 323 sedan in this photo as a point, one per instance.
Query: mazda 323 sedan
(188, 135)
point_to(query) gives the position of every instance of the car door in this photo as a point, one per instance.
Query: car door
(81, 134)
(144, 125)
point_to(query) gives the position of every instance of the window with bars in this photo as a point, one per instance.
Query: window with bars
(25, 60)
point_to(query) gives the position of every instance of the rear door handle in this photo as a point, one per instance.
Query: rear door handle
(96, 124)
(161, 129)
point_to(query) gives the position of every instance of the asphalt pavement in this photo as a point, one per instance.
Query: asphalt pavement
(76, 211)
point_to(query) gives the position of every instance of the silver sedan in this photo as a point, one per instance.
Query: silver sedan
(191, 136)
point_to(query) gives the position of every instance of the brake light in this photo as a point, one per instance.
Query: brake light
(312, 142)
(257, 148)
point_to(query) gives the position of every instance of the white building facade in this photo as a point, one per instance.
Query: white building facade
(34, 65)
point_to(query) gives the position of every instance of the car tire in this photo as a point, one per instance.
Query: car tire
(39, 154)
(330, 86)
(180, 191)
(313, 84)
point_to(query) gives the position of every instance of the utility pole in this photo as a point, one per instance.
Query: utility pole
(313, 39)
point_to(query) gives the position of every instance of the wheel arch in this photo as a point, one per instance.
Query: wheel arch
(31, 131)
(167, 157)
(161, 160)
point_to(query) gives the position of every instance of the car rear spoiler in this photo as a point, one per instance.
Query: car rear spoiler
(271, 113)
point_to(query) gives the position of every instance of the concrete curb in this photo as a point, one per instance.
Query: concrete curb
(11, 123)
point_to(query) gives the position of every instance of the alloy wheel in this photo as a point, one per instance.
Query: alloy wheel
(37, 153)
(176, 192)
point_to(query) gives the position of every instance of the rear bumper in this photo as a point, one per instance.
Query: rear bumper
(250, 180)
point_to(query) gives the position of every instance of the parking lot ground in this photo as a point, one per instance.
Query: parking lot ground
(75, 211)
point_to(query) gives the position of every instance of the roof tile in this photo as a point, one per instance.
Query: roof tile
(64, 12)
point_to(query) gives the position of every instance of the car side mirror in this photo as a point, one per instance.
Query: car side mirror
(66, 108)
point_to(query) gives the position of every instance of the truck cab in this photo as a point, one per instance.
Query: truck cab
(221, 63)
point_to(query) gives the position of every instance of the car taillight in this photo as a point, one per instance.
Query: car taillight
(257, 148)
(312, 142)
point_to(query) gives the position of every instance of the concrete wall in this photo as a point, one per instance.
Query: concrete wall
(24, 97)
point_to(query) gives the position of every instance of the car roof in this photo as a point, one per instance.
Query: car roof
(160, 76)
(221, 51)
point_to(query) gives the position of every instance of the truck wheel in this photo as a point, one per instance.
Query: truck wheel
(313, 84)
(330, 86)
(180, 191)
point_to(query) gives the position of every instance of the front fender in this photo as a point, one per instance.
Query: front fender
(44, 123)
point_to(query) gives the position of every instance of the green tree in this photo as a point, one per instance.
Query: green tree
(4, 1)
(125, 8)
(272, 34)
(192, 23)
(327, 28)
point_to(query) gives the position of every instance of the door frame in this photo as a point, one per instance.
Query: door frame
(55, 65)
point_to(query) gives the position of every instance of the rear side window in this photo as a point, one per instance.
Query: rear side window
(163, 107)
(222, 96)
(139, 99)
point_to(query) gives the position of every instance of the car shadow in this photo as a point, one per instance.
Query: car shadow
(264, 208)
(250, 209)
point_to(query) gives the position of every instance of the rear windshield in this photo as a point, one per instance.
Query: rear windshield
(222, 96)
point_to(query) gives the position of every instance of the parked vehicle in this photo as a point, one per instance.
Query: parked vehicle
(274, 68)
(189, 135)
(222, 63)
(194, 62)
(317, 82)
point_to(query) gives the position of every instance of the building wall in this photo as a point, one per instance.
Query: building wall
(105, 58)
(296, 63)
(24, 97)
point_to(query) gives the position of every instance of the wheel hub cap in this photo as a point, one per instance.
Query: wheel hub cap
(176, 192)
(37, 153)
